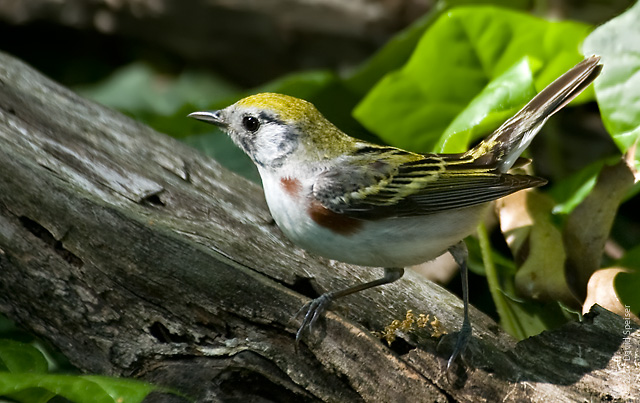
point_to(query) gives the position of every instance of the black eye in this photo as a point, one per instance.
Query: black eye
(251, 123)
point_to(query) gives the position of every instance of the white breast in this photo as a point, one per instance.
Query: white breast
(393, 242)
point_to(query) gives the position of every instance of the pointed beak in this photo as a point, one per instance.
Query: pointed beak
(213, 117)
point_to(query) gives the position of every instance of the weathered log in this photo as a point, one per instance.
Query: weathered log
(137, 256)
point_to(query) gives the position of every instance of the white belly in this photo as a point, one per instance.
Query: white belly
(393, 242)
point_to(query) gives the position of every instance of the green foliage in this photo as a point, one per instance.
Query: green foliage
(395, 53)
(24, 378)
(618, 93)
(490, 108)
(471, 70)
(618, 90)
(31, 388)
(519, 317)
(460, 55)
(571, 191)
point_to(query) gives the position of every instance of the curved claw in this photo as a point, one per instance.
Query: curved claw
(313, 309)
(316, 307)
(461, 344)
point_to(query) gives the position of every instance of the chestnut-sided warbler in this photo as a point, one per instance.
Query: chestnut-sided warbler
(372, 205)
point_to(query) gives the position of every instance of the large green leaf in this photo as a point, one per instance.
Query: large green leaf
(24, 378)
(618, 93)
(457, 57)
(497, 102)
(29, 386)
(572, 190)
(519, 318)
(618, 87)
(395, 53)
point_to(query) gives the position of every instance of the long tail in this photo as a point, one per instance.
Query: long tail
(505, 145)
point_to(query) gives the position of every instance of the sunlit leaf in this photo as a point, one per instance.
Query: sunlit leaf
(120, 389)
(618, 87)
(571, 191)
(601, 291)
(78, 389)
(497, 102)
(398, 49)
(393, 55)
(303, 85)
(457, 57)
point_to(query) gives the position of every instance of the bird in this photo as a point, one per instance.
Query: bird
(381, 206)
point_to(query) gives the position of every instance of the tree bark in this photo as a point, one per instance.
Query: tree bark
(137, 256)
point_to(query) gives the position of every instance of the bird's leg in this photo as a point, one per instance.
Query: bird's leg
(460, 254)
(316, 307)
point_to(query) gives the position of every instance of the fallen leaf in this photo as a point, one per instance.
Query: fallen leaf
(601, 290)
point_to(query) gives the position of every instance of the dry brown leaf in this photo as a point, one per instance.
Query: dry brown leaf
(601, 290)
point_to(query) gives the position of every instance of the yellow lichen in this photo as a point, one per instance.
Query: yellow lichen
(436, 328)
(408, 324)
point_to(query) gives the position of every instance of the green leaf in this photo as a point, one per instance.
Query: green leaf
(31, 395)
(457, 57)
(618, 87)
(393, 55)
(19, 357)
(519, 318)
(398, 49)
(74, 388)
(627, 286)
(571, 191)
(497, 102)
(122, 390)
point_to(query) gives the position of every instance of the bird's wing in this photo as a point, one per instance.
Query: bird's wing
(381, 189)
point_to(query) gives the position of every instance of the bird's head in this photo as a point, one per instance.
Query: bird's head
(274, 129)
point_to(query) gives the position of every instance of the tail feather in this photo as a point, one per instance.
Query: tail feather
(505, 145)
